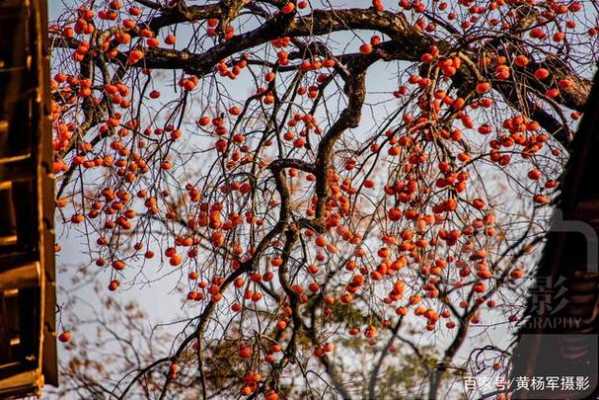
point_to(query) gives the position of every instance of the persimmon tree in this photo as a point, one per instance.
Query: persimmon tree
(351, 195)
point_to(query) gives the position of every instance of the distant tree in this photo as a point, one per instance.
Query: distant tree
(351, 196)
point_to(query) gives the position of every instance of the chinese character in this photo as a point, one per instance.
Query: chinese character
(484, 380)
(567, 383)
(469, 383)
(582, 383)
(522, 383)
(553, 383)
(537, 383)
(502, 384)
(546, 293)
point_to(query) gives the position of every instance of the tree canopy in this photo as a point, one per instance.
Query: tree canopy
(351, 196)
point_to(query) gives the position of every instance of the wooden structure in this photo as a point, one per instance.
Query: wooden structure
(560, 336)
(27, 281)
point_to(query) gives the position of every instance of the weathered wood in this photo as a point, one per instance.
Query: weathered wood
(27, 284)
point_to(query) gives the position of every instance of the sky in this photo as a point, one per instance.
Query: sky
(156, 295)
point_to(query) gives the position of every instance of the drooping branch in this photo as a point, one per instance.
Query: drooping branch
(407, 43)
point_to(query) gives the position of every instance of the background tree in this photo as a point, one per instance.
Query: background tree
(350, 196)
